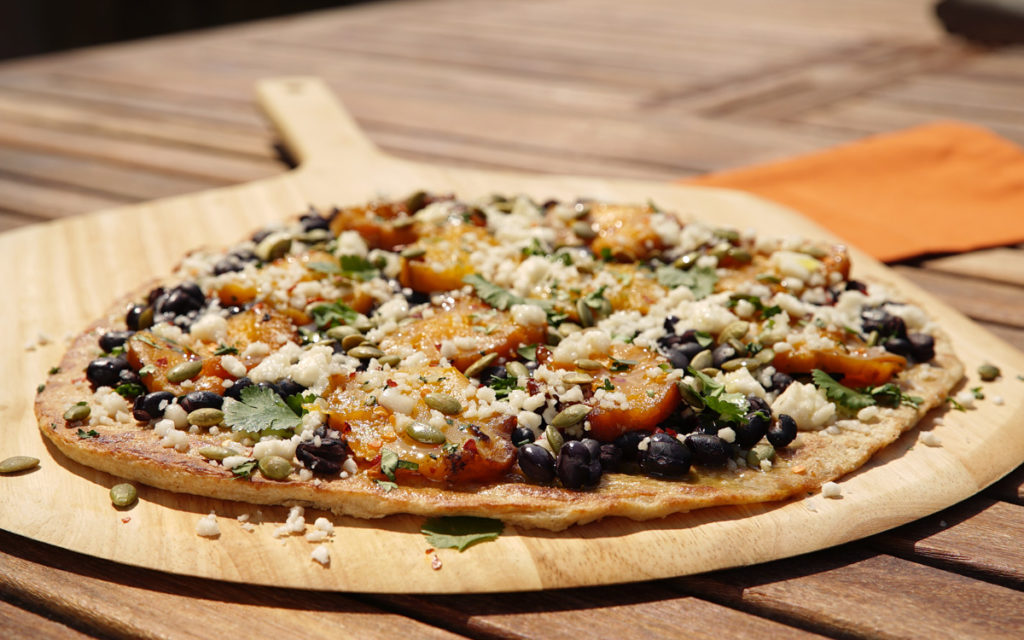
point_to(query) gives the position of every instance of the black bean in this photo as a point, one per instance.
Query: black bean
(287, 387)
(574, 466)
(782, 432)
(147, 406)
(611, 457)
(723, 353)
(227, 264)
(707, 422)
(536, 463)
(114, 339)
(201, 400)
(899, 346)
(669, 324)
(307, 453)
(627, 443)
(134, 316)
(665, 457)
(894, 326)
(922, 346)
(261, 235)
(235, 390)
(690, 335)
(314, 220)
(757, 403)
(106, 372)
(681, 355)
(780, 381)
(854, 285)
(181, 300)
(593, 446)
(873, 319)
(751, 429)
(522, 435)
(708, 450)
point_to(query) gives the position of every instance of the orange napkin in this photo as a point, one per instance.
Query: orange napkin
(940, 187)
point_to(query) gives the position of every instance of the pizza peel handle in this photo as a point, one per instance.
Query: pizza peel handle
(316, 128)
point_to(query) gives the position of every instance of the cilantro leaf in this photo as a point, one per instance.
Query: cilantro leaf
(130, 389)
(386, 485)
(731, 407)
(389, 463)
(700, 280)
(91, 433)
(492, 294)
(623, 365)
(225, 350)
(295, 402)
(890, 395)
(528, 352)
(703, 338)
(245, 469)
(504, 385)
(839, 393)
(259, 409)
(325, 267)
(358, 268)
(149, 369)
(460, 532)
(607, 386)
(950, 399)
(331, 315)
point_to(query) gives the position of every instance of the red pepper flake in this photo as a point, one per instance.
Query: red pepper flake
(470, 445)
(430, 550)
(126, 519)
(392, 383)
(435, 563)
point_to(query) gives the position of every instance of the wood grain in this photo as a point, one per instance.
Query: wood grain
(16, 622)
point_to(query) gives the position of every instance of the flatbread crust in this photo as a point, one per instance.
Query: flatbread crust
(133, 452)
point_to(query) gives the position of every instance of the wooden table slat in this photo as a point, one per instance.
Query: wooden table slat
(16, 623)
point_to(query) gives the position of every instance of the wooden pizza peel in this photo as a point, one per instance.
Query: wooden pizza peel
(62, 275)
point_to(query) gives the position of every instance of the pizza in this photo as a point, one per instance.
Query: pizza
(544, 363)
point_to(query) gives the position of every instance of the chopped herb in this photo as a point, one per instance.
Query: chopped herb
(91, 433)
(389, 463)
(607, 386)
(245, 469)
(225, 350)
(956, 405)
(839, 393)
(664, 366)
(773, 310)
(295, 402)
(1020, 377)
(130, 389)
(146, 340)
(358, 268)
(40, 388)
(731, 407)
(623, 365)
(651, 393)
(325, 267)
(754, 348)
(460, 532)
(978, 394)
(492, 294)
(54, 371)
(259, 409)
(703, 338)
(331, 315)
(535, 249)
(653, 207)
(606, 254)
(450, 449)
(768, 277)
(528, 351)
(147, 370)
(700, 280)
(503, 386)
(116, 351)
(386, 485)
(890, 395)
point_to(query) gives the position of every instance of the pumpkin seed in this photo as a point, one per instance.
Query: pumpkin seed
(711, 372)
(447, 404)
(474, 370)
(401, 223)
(275, 467)
(516, 369)
(686, 261)
(584, 312)
(412, 253)
(342, 332)
(872, 339)
(739, 255)
(184, 371)
(416, 201)
(15, 464)
(273, 246)
(738, 345)
(739, 363)
(570, 416)
(352, 340)
(577, 377)
(764, 356)
(122, 495)
(146, 318)
(205, 417)
(584, 230)
(690, 395)
(988, 372)
(315, 236)
(759, 452)
(211, 452)
(552, 337)
(581, 210)
(731, 235)
(588, 365)
(814, 252)
(391, 361)
(566, 329)
(365, 352)
(77, 412)
(554, 438)
(702, 360)
(362, 323)
(734, 330)
(425, 433)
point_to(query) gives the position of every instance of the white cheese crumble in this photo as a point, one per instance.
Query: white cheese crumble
(929, 439)
(528, 314)
(210, 328)
(321, 554)
(831, 490)
(807, 405)
(207, 526)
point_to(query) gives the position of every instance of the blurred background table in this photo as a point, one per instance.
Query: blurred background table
(657, 90)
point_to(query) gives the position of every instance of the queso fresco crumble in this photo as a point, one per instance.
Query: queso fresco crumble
(434, 340)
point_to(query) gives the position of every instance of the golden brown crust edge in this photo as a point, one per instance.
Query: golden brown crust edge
(135, 453)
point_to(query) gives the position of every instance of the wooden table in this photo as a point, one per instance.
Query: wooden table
(657, 90)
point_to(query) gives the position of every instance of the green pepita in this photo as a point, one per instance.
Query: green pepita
(77, 412)
(342, 332)
(425, 433)
(739, 363)
(447, 404)
(570, 416)
(872, 339)
(184, 371)
(687, 261)
(15, 464)
(416, 201)
(566, 329)
(205, 417)
(482, 363)
(124, 494)
(365, 352)
(690, 395)
(588, 365)
(710, 371)
(739, 255)
(391, 360)
(759, 452)
(273, 246)
(516, 369)
(764, 356)
(212, 452)
(352, 341)
(577, 377)
(584, 312)
(411, 253)
(402, 223)
(734, 330)
(814, 251)
(988, 372)
(732, 235)
(146, 318)
(275, 467)
(584, 230)
(554, 438)
(552, 337)
(702, 360)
